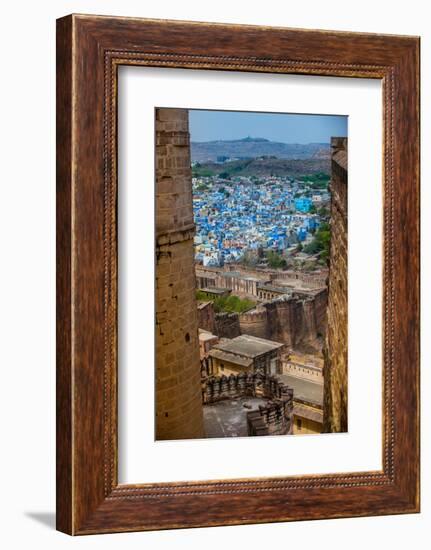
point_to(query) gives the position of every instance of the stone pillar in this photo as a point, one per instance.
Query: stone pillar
(179, 412)
(335, 366)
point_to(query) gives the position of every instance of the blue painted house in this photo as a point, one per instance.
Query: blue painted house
(303, 204)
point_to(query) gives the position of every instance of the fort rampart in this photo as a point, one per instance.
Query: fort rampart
(335, 367)
(178, 402)
(275, 417)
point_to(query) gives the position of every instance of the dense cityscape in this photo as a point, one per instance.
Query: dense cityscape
(246, 214)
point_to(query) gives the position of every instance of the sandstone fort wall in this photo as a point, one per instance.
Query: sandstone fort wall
(335, 367)
(178, 391)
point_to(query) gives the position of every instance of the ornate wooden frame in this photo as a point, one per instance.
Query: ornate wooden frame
(89, 51)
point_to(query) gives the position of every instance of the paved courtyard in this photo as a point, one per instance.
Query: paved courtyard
(228, 418)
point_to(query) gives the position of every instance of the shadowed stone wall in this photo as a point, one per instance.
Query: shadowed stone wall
(227, 325)
(294, 320)
(178, 391)
(206, 316)
(335, 368)
(255, 322)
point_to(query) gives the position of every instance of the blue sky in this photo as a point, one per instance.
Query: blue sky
(286, 128)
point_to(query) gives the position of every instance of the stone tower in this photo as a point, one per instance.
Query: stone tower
(335, 366)
(179, 412)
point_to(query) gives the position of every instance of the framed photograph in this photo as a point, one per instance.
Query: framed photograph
(237, 274)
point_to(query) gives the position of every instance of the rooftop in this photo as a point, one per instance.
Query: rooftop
(239, 275)
(215, 290)
(281, 289)
(304, 390)
(247, 346)
(230, 357)
(203, 305)
(205, 336)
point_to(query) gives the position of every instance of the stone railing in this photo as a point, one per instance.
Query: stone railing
(273, 418)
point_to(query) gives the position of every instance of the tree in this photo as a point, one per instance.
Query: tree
(312, 248)
(232, 304)
(275, 260)
(249, 258)
(323, 212)
(320, 243)
(224, 175)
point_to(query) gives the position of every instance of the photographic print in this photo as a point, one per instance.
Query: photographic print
(251, 273)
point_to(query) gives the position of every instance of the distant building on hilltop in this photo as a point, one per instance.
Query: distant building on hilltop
(222, 158)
